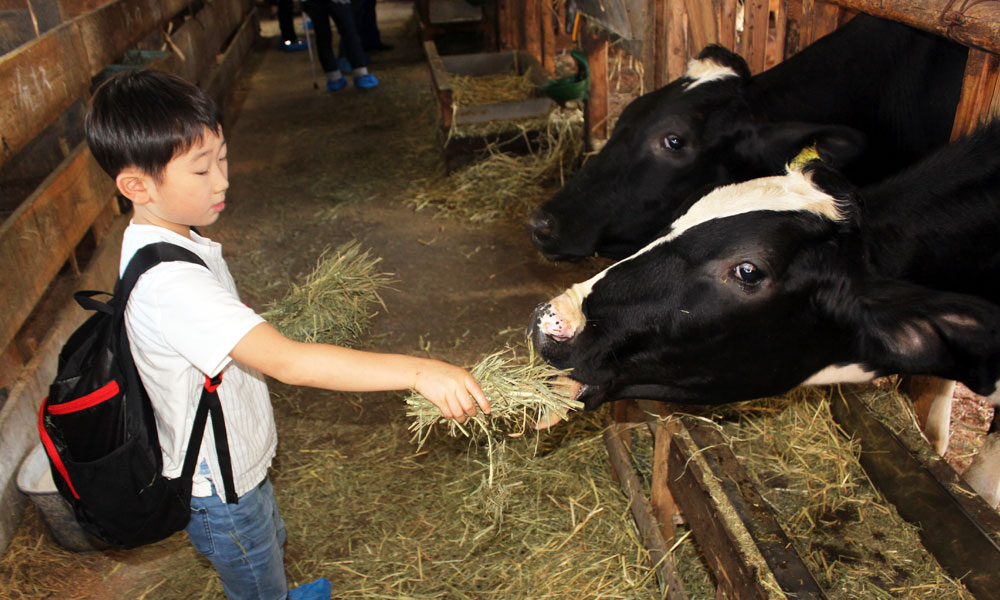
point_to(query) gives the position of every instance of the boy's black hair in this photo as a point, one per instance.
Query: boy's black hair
(145, 118)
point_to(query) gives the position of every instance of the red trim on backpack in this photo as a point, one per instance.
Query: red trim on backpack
(50, 449)
(210, 386)
(105, 392)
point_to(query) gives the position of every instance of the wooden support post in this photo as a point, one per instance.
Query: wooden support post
(596, 107)
(755, 30)
(549, 34)
(675, 41)
(652, 537)
(980, 100)
(533, 28)
(726, 25)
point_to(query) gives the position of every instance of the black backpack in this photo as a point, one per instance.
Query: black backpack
(99, 432)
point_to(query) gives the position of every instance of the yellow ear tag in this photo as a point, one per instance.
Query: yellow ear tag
(807, 155)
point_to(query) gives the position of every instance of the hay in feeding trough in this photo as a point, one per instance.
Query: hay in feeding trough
(502, 184)
(522, 389)
(851, 538)
(491, 89)
(334, 303)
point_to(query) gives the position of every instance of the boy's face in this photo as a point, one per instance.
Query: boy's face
(191, 191)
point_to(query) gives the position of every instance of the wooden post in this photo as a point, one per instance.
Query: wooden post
(980, 101)
(755, 30)
(596, 107)
(549, 37)
(533, 28)
(675, 41)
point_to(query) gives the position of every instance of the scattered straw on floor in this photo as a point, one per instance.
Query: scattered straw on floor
(503, 185)
(335, 302)
(383, 521)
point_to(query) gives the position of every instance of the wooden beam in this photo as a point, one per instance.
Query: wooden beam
(41, 79)
(956, 525)
(533, 28)
(42, 233)
(978, 25)
(676, 46)
(736, 530)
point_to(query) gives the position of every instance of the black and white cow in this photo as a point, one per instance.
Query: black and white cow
(800, 279)
(875, 95)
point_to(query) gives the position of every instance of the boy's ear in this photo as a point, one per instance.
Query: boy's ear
(134, 184)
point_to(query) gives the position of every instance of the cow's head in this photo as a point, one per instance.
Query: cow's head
(668, 148)
(759, 287)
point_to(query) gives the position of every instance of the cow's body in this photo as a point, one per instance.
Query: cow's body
(799, 279)
(875, 95)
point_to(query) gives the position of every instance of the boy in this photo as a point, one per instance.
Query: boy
(160, 138)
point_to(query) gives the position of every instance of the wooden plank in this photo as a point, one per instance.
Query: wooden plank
(956, 525)
(533, 28)
(548, 31)
(440, 82)
(596, 106)
(70, 9)
(736, 530)
(969, 23)
(702, 23)
(755, 30)
(653, 539)
(40, 79)
(54, 218)
(980, 93)
(227, 65)
(776, 46)
(727, 23)
(676, 41)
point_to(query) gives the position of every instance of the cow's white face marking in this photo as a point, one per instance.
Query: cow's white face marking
(705, 70)
(840, 374)
(563, 317)
(791, 192)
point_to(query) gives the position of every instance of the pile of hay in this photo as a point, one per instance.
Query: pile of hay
(502, 184)
(851, 538)
(522, 389)
(334, 304)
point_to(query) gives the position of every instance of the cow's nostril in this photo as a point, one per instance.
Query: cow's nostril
(541, 228)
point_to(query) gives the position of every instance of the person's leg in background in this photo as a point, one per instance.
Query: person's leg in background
(290, 42)
(343, 17)
(319, 13)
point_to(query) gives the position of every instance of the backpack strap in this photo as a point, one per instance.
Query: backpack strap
(144, 259)
(209, 404)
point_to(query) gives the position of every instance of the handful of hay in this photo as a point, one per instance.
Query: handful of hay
(334, 304)
(521, 388)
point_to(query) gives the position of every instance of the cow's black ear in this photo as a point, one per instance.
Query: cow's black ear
(836, 145)
(909, 329)
(727, 58)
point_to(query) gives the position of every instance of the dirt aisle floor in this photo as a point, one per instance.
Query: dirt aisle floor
(311, 170)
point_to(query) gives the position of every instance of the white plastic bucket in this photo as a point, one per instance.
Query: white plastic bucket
(34, 479)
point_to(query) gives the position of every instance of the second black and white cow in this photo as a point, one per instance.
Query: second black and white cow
(799, 279)
(875, 95)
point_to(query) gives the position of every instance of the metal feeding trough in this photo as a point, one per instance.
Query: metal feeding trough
(488, 116)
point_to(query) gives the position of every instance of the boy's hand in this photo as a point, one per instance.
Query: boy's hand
(452, 389)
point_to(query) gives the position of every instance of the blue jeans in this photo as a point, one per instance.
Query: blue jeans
(244, 542)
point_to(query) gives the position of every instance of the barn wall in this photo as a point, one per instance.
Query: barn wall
(664, 34)
(62, 224)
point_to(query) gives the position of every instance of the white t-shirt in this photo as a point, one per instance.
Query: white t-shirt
(182, 323)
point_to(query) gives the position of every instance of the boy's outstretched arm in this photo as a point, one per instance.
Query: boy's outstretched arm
(452, 389)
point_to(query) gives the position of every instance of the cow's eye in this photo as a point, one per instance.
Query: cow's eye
(748, 273)
(673, 142)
